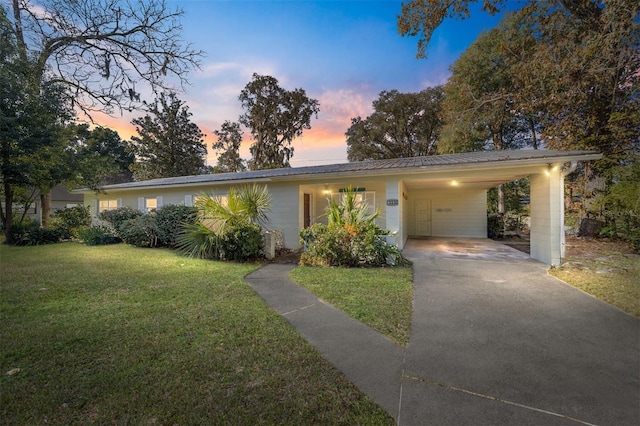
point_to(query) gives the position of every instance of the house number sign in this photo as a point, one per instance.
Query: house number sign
(392, 202)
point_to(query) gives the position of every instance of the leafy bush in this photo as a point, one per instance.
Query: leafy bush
(241, 242)
(350, 238)
(69, 220)
(116, 217)
(139, 231)
(31, 234)
(97, 236)
(169, 221)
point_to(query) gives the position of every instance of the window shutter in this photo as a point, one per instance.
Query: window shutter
(158, 202)
(119, 202)
(188, 200)
(94, 207)
(141, 204)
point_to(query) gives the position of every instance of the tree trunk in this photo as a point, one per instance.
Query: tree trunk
(7, 224)
(45, 205)
(501, 208)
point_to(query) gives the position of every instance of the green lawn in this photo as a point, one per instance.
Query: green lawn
(608, 271)
(379, 297)
(119, 335)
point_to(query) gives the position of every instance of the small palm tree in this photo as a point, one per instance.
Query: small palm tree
(349, 213)
(216, 215)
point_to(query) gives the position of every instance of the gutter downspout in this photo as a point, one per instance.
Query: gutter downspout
(564, 171)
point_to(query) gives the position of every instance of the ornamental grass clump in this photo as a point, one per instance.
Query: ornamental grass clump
(350, 237)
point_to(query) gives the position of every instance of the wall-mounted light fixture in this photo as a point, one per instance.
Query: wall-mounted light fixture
(454, 183)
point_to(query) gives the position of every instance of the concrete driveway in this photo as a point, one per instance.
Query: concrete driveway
(494, 341)
(498, 341)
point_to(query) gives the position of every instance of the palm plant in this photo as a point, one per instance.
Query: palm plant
(350, 213)
(246, 206)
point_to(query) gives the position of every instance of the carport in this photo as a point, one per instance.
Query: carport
(461, 248)
(446, 196)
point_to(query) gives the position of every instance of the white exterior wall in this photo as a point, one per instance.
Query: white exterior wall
(454, 213)
(286, 213)
(547, 207)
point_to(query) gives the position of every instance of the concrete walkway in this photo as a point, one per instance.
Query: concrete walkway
(493, 342)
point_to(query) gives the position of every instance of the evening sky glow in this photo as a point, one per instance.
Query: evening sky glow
(343, 53)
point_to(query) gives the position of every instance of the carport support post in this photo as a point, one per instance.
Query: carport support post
(547, 215)
(392, 212)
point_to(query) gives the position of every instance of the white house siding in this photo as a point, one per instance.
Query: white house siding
(285, 212)
(546, 217)
(454, 213)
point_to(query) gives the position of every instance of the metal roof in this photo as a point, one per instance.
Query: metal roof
(371, 167)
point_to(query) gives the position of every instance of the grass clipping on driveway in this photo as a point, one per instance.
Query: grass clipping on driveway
(119, 335)
(608, 270)
(378, 297)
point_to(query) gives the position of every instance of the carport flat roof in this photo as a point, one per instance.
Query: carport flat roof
(484, 159)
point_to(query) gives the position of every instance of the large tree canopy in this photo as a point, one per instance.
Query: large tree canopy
(276, 117)
(402, 125)
(85, 54)
(101, 157)
(33, 118)
(228, 145)
(169, 144)
(103, 51)
(422, 17)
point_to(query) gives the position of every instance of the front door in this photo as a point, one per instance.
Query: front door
(307, 210)
(423, 218)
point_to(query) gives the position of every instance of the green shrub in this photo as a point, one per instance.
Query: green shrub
(366, 245)
(169, 221)
(69, 220)
(34, 235)
(241, 242)
(116, 217)
(97, 236)
(350, 238)
(139, 231)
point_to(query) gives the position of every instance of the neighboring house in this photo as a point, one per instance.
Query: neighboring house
(61, 198)
(440, 196)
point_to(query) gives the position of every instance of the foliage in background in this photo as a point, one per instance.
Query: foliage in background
(33, 114)
(276, 117)
(100, 157)
(228, 146)
(402, 125)
(350, 238)
(168, 143)
(229, 227)
(59, 57)
(619, 205)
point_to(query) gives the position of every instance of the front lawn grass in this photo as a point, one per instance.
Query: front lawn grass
(121, 335)
(379, 297)
(607, 270)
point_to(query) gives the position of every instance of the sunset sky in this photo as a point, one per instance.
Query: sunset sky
(342, 53)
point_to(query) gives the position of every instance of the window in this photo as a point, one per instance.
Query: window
(106, 205)
(146, 204)
(150, 204)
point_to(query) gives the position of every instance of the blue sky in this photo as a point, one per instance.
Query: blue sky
(342, 52)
